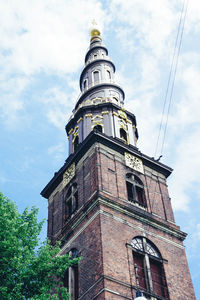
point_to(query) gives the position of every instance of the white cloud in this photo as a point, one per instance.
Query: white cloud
(41, 36)
(150, 23)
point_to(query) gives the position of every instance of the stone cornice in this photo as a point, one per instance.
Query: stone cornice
(79, 113)
(95, 205)
(115, 144)
(96, 87)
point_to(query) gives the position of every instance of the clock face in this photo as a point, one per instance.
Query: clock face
(69, 174)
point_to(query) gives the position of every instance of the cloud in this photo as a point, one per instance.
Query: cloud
(150, 24)
(40, 37)
(147, 33)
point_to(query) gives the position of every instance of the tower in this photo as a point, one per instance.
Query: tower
(109, 202)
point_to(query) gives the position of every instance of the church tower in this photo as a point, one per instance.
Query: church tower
(109, 202)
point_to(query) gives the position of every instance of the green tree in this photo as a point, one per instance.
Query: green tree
(28, 270)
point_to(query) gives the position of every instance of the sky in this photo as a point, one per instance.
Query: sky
(42, 49)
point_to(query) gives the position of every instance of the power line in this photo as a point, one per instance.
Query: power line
(172, 76)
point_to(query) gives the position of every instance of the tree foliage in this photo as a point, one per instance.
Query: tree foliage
(28, 270)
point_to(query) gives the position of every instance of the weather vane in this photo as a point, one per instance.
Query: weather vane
(94, 22)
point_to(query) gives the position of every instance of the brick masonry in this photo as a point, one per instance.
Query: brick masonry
(105, 223)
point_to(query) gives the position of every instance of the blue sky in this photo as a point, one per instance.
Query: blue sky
(42, 48)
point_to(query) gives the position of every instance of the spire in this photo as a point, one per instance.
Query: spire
(99, 71)
(100, 103)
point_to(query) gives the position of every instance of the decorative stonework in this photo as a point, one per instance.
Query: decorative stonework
(122, 124)
(105, 112)
(134, 162)
(97, 118)
(75, 132)
(88, 115)
(69, 174)
(122, 114)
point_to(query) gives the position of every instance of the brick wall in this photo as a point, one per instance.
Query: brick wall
(105, 223)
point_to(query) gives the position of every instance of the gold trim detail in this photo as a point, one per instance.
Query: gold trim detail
(79, 120)
(122, 114)
(115, 114)
(97, 123)
(106, 112)
(88, 115)
(69, 174)
(71, 130)
(97, 117)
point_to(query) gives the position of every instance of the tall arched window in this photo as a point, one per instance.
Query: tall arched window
(71, 201)
(108, 75)
(75, 143)
(71, 277)
(149, 269)
(135, 189)
(85, 84)
(123, 135)
(96, 76)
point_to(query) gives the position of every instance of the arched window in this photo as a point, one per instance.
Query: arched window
(98, 128)
(135, 189)
(96, 76)
(108, 74)
(71, 277)
(71, 201)
(149, 269)
(123, 135)
(85, 84)
(75, 143)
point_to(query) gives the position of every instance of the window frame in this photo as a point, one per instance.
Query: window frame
(147, 282)
(75, 143)
(93, 76)
(85, 84)
(108, 75)
(71, 201)
(71, 277)
(135, 190)
(97, 126)
(122, 131)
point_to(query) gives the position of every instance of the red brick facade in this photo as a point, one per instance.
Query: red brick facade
(105, 222)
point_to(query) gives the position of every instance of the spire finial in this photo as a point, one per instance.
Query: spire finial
(94, 22)
(95, 32)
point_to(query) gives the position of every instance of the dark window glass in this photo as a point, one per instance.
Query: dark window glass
(98, 128)
(123, 135)
(85, 84)
(152, 278)
(139, 265)
(135, 189)
(71, 201)
(76, 142)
